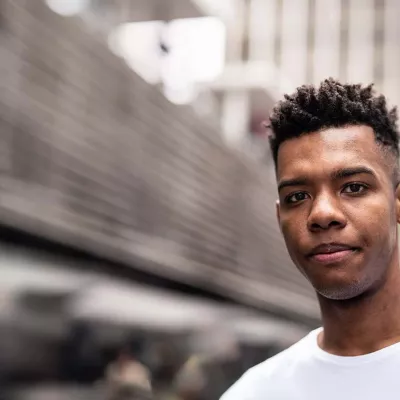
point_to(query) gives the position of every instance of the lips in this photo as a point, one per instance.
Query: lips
(328, 248)
(332, 252)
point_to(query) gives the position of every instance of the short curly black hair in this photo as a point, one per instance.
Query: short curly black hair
(333, 104)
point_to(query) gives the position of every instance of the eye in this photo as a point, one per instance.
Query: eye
(296, 197)
(355, 188)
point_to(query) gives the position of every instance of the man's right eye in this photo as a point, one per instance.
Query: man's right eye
(296, 197)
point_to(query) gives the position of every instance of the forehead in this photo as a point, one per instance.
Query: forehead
(320, 152)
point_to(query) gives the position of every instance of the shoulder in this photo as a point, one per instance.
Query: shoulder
(261, 380)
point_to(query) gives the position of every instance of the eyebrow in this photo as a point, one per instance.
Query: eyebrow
(335, 175)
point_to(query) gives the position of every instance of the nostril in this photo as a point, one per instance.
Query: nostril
(323, 226)
(335, 223)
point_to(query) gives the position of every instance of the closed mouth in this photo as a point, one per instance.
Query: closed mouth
(333, 258)
(330, 248)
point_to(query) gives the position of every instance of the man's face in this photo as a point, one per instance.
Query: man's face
(337, 209)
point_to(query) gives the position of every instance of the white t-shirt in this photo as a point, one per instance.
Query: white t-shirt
(306, 372)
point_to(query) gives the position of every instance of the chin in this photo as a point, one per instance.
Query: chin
(343, 292)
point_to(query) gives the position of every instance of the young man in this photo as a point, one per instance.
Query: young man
(336, 155)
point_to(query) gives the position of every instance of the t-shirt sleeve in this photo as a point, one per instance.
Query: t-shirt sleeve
(243, 389)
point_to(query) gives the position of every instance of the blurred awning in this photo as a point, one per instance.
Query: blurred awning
(29, 278)
(135, 305)
(23, 271)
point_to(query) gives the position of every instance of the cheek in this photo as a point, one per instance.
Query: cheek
(292, 231)
(285, 225)
(375, 222)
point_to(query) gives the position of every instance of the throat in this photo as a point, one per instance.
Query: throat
(362, 325)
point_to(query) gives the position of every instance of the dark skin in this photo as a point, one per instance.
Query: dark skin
(337, 186)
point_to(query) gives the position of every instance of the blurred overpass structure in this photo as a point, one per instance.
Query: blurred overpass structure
(97, 159)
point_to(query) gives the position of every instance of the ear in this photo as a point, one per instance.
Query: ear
(398, 203)
(278, 212)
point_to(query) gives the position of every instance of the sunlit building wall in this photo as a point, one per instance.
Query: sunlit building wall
(277, 45)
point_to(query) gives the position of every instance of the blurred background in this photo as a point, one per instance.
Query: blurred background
(139, 252)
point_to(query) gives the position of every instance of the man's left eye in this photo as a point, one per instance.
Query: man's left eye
(354, 188)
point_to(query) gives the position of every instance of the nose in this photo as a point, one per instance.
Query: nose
(326, 214)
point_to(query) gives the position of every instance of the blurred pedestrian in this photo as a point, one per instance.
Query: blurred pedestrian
(128, 379)
(208, 371)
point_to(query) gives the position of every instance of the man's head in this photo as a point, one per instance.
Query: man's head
(335, 150)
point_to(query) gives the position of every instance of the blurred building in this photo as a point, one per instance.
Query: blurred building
(98, 159)
(276, 45)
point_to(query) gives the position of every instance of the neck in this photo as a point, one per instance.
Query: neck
(364, 324)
